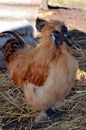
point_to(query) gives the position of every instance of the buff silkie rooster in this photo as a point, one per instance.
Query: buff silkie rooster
(45, 73)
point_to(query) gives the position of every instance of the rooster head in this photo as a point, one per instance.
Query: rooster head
(59, 36)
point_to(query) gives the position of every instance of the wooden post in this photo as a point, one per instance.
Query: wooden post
(44, 5)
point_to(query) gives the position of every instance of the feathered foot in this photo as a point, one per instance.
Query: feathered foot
(57, 106)
(42, 115)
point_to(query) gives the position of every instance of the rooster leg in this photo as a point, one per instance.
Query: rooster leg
(57, 105)
(42, 115)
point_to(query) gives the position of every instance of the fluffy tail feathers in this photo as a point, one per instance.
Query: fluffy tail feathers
(12, 45)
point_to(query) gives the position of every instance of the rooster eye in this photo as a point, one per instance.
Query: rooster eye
(55, 31)
(64, 29)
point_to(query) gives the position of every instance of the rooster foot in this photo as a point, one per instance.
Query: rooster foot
(42, 116)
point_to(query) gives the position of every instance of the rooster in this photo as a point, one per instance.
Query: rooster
(45, 73)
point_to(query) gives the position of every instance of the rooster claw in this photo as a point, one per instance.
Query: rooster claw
(54, 109)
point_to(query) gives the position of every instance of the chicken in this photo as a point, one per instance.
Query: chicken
(45, 73)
